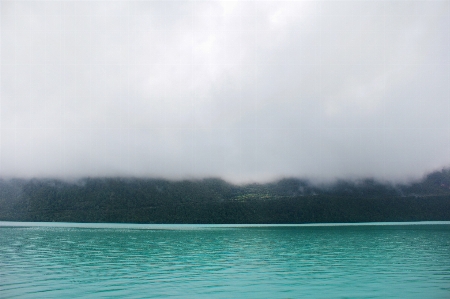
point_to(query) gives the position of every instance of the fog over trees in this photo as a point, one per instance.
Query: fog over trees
(211, 111)
(213, 200)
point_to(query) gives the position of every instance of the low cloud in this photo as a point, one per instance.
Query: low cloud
(248, 91)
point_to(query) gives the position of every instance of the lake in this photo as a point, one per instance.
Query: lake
(372, 260)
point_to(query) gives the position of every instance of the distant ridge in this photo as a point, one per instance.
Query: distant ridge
(212, 200)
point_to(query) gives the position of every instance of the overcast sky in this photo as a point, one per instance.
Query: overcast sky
(247, 91)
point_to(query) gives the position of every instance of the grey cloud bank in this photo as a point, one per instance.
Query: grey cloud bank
(248, 91)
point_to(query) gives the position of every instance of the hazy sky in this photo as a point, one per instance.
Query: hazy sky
(248, 91)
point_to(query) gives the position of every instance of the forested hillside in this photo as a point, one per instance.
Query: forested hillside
(291, 200)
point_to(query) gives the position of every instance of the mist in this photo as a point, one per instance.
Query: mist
(245, 91)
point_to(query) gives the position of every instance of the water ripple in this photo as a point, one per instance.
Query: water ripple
(264, 262)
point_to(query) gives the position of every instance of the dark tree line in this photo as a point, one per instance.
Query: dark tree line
(135, 200)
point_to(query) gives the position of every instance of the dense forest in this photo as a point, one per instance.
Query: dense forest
(212, 200)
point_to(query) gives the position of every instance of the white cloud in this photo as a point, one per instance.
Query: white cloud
(245, 90)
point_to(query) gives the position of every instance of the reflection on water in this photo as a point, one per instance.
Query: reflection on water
(395, 261)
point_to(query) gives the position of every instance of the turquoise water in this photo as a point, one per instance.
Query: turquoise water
(65, 260)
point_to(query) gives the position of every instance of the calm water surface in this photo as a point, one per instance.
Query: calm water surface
(196, 261)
